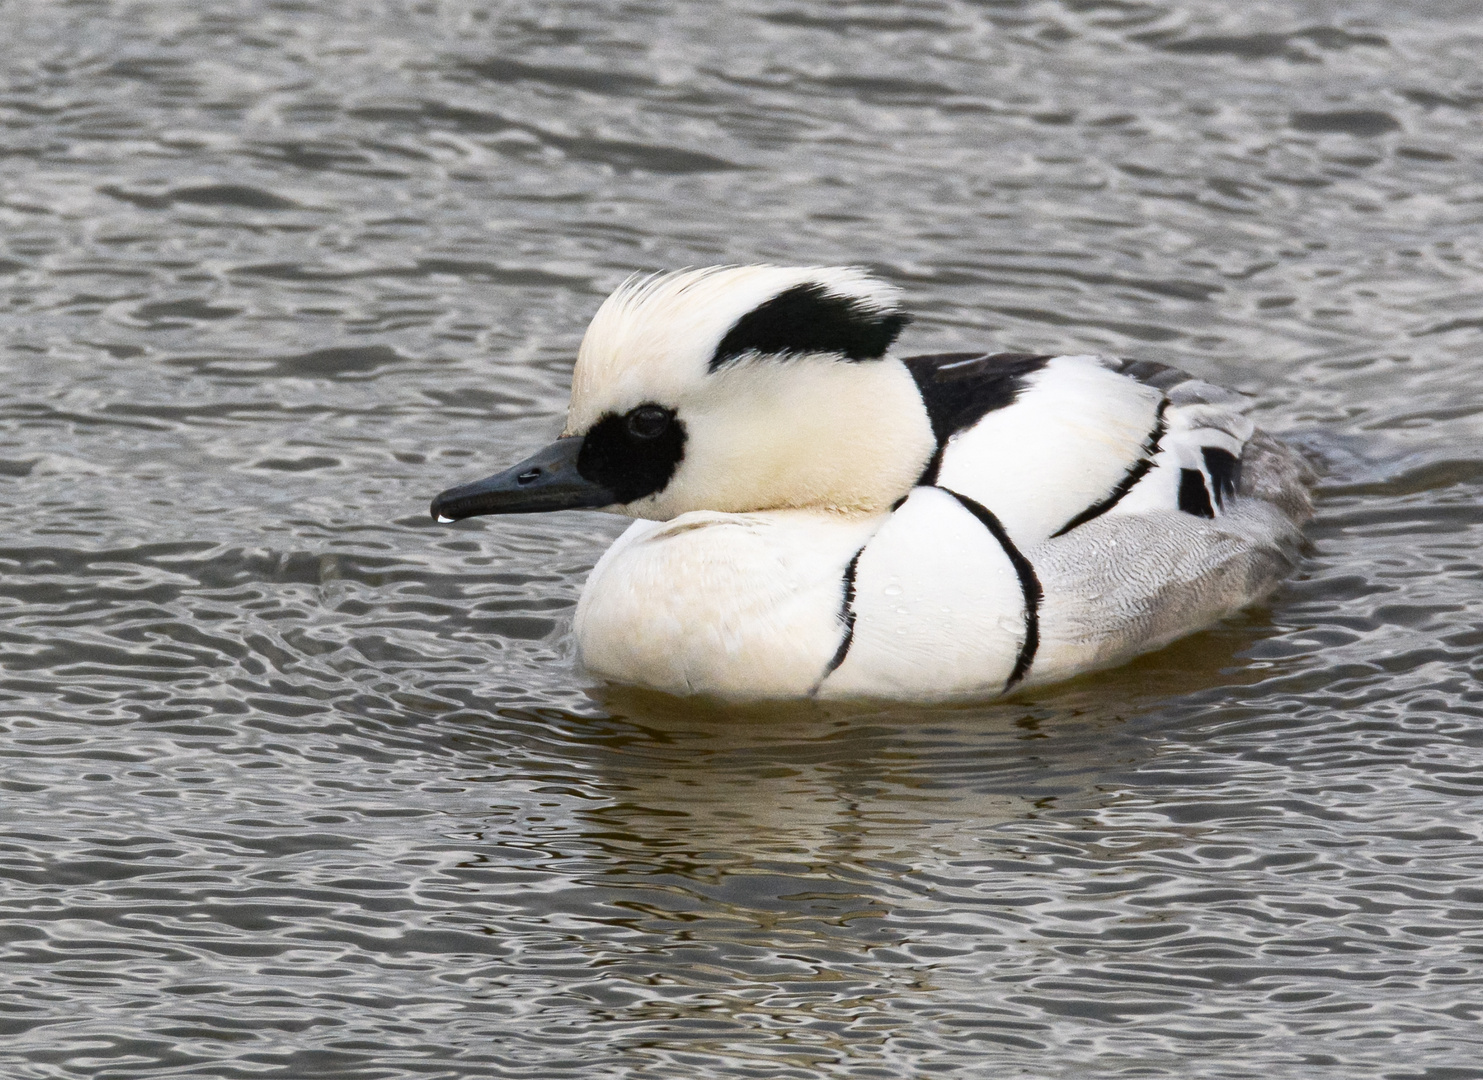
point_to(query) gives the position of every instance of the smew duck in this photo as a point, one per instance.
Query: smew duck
(819, 516)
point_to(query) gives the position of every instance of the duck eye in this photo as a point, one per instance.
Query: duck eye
(648, 421)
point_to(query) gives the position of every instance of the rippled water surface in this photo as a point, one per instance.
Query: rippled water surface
(297, 785)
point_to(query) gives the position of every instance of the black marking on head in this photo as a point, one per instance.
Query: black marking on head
(959, 389)
(810, 319)
(1136, 472)
(1224, 468)
(635, 454)
(846, 616)
(1029, 586)
(1194, 497)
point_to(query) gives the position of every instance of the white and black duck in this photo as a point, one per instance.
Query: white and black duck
(821, 517)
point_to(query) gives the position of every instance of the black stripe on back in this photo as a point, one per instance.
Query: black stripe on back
(1194, 497)
(959, 389)
(1225, 472)
(934, 466)
(1029, 586)
(1159, 376)
(1136, 472)
(810, 319)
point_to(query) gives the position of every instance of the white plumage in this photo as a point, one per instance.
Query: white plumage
(825, 518)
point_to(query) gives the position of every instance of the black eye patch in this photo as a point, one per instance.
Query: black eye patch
(808, 319)
(635, 454)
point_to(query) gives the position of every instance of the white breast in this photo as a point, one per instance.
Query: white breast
(736, 605)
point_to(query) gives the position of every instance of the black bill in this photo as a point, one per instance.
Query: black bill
(547, 480)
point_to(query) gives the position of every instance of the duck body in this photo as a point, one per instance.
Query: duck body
(925, 528)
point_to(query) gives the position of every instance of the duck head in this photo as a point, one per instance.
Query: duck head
(734, 389)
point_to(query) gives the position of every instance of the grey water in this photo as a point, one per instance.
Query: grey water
(298, 785)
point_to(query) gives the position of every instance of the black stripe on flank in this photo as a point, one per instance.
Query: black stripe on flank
(1130, 479)
(810, 319)
(1029, 586)
(1225, 472)
(1194, 497)
(846, 616)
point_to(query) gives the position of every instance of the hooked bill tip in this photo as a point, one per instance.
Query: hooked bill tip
(441, 520)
